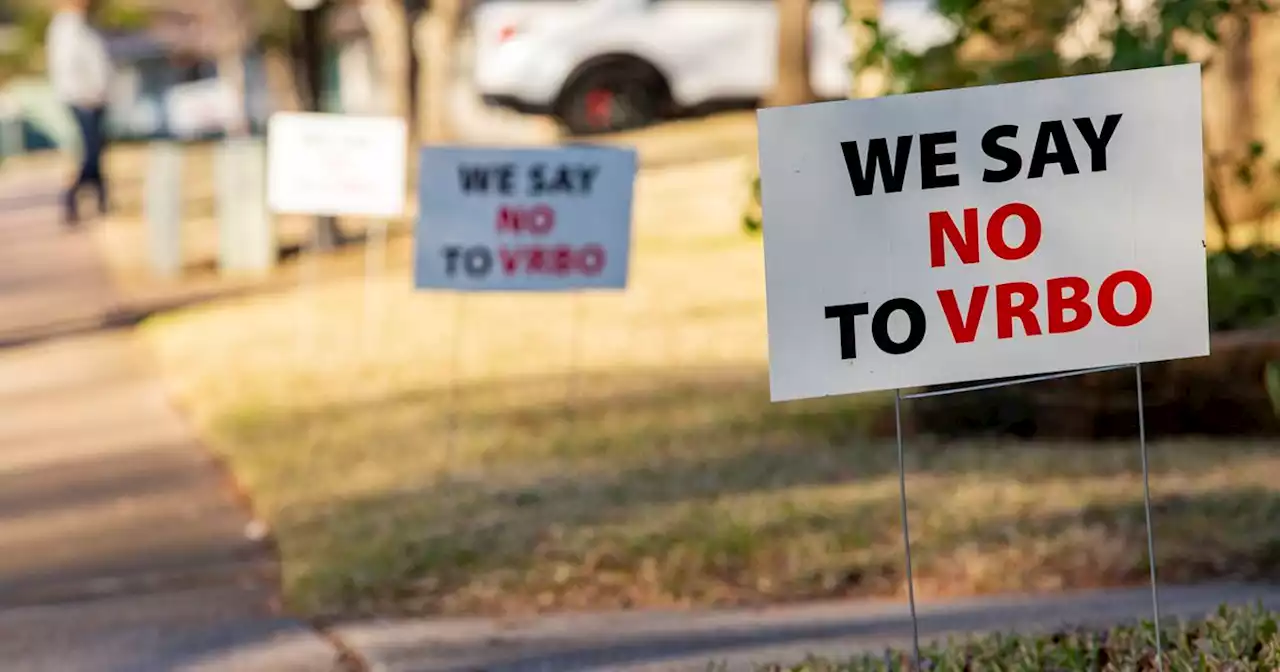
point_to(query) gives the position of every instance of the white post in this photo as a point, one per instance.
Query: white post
(163, 206)
(246, 232)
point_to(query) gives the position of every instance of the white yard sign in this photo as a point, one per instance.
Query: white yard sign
(524, 219)
(983, 233)
(332, 164)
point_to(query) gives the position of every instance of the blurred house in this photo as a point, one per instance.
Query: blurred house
(163, 90)
(173, 80)
(166, 85)
(169, 85)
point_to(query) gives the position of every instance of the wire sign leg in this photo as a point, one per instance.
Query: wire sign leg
(455, 371)
(906, 529)
(1146, 501)
(573, 375)
(308, 262)
(375, 266)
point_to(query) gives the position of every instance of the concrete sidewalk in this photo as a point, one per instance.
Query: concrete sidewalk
(744, 639)
(121, 544)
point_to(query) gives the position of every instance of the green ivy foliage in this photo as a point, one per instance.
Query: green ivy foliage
(1244, 288)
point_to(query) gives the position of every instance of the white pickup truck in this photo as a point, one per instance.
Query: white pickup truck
(608, 65)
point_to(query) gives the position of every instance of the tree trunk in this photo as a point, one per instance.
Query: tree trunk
(437, 44)
(388, 28)
(231, 20)
(310, 58)
(282, 81)
(1231, 123)
(231, 74)
(328, 234)
(792, 86)
(868, 81)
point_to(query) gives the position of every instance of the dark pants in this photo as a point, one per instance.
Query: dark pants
(92, 124)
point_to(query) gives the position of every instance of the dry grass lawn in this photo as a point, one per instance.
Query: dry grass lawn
(465, 456)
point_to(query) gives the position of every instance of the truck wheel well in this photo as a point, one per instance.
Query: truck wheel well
(629, 64)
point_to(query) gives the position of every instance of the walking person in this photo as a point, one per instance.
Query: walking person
(80, 73)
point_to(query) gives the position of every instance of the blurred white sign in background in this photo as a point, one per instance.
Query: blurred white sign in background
(336, 165)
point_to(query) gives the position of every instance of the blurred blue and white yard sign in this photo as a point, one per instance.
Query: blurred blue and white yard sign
(528, 219)
(336, 165)
(984, 233)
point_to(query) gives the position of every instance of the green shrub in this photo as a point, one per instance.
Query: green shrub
(1244, 288)
(1235, 391)
(1243, 640)
(752, 221)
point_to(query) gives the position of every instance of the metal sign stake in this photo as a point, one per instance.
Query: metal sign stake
(1146, 487)
(1146, 502)
(906, 528)
(455, 372)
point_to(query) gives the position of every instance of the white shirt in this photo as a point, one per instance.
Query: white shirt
(79, 67)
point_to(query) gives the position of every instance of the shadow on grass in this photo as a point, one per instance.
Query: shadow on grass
(664, 488)
(1218, 534)
(124, 316)
(501, 567)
